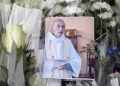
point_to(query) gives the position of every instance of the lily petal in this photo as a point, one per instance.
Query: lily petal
(7, 42)
(17, 34)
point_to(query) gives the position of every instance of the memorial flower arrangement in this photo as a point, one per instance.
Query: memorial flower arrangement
(105, 23)
(107, 17)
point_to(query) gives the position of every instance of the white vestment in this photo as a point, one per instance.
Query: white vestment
(59, 52)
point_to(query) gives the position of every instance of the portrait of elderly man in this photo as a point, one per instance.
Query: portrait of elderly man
(61, 60)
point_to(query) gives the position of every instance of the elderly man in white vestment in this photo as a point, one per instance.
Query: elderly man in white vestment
(61, 60)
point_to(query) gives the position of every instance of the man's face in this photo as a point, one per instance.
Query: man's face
(58, 28)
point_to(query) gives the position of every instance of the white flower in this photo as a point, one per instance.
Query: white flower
(105, 15)
(7, 42)
(17, 34)
(112, 23)
(106, 6)
(100, 5)
(70, 10)
(14, 33)
(95, 6)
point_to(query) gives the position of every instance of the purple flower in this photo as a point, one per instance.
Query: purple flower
(113, 51)
(114, 48)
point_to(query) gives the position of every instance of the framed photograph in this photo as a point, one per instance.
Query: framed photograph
(69, 48)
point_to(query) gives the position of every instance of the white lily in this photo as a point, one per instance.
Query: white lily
(7, 42)
(17, 34)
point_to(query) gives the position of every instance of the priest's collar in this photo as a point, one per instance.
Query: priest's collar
(50, 36)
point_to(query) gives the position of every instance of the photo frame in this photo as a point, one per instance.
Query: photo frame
(80, 31)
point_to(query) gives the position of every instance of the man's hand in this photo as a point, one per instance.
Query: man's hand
(59, 67)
